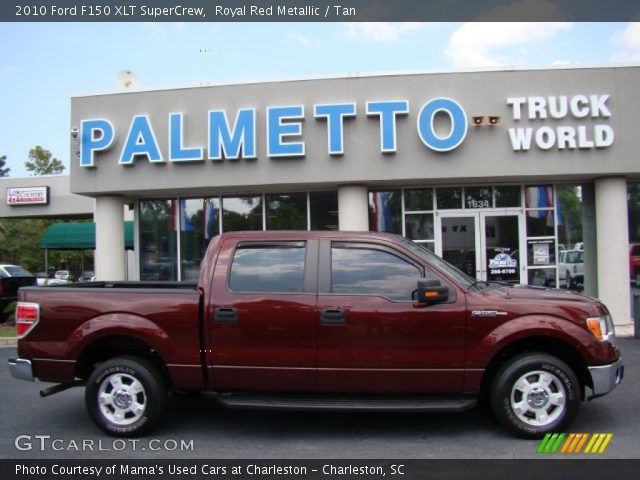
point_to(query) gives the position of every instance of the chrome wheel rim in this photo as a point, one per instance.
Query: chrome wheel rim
(538, 398)
(122, 399)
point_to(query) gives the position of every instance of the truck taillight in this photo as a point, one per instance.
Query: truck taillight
(27, 316)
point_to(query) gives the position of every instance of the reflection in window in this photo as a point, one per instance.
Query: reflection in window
(569, 216)
(542, 277)
(539, 196)
(287, 211)
(477, 197)
(507, 196)
(268, 268)
(385, 211)
(419, 226)
(158, 222)
(199, 223)
(418, 199)
(241, 213)
(324, 210)
(540, 223)
(448, 198)
(371, 272)
(633, 196)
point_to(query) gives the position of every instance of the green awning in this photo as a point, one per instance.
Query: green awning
(79, 236)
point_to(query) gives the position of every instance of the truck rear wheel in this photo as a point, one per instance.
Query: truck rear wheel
(126, 396)
(534, 394)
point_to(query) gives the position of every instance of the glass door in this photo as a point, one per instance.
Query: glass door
(502, 247)
(484, 245)
(459, 242)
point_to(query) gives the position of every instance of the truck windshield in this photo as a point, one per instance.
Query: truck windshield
(465, 280)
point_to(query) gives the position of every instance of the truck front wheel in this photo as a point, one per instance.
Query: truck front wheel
(126, 396)
(534, 394)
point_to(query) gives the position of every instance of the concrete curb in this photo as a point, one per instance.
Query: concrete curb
(8, 342)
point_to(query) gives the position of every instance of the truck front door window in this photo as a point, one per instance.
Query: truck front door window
(372, 272)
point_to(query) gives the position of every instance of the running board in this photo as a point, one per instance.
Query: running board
(348, 403)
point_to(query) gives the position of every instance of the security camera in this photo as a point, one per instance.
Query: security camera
(75, 131)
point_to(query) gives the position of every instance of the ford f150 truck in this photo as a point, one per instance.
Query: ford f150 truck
(320, 320)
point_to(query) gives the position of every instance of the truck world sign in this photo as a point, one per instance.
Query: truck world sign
(232, 135)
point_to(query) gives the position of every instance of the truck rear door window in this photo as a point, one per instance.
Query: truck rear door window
(268, 267)
(362, 270)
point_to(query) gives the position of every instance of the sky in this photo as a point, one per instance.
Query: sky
(42, 65)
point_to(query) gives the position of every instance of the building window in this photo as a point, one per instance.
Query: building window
(385, 211)
(419, 226)
(541, 235)
(199, 223)
(418, 199)
(287, 211)
(449, 198)
(540, 211)
(268, 268)
(158, 252)
(242, 213)
(507, 196)
(356, 269)
(478, 197)
(633, 194)
(323, 207)
(198, 220)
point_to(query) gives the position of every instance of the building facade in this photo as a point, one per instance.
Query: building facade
(500, 172)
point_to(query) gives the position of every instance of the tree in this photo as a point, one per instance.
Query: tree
(24, 247)
(4, 171)
(41, 163)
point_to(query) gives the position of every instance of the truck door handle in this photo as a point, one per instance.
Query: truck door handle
(332, 316)
(225, 315)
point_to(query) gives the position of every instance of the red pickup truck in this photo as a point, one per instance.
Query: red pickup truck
(320, 320)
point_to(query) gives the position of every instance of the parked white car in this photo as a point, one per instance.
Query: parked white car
(62, 275)
(571, 268)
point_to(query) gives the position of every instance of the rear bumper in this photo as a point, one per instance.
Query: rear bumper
(21, 369)
(606, 377)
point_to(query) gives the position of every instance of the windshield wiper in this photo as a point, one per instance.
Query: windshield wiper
(478, 282)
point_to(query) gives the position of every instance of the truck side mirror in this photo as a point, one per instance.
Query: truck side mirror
(431, 291)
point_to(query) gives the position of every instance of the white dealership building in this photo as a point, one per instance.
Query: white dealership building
(498, 171)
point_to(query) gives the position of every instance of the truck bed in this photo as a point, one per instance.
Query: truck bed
(164, 316)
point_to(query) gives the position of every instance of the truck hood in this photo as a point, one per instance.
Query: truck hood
(526, 292)
(525, 300)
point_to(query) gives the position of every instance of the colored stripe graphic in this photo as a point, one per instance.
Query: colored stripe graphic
(551, 442)
(574, 442)
(598, 443)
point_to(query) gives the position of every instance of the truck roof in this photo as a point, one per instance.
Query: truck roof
(310, 234)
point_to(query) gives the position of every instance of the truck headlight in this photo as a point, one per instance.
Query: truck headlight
(601, 327)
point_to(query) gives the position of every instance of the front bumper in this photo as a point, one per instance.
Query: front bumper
(21, 369)
(606, 377)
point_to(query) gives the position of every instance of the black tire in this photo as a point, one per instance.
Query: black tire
(136, 407)
(535, 393)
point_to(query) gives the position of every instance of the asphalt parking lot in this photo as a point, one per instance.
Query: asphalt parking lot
(58, 427)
